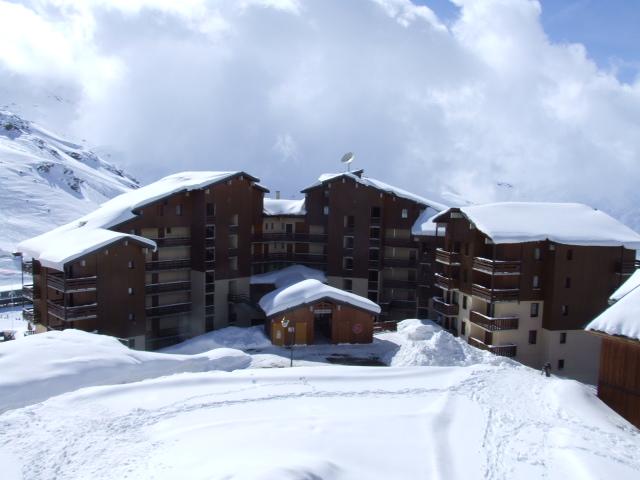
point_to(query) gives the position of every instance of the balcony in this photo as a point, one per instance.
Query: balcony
(374, 242)
(375, 221)
(209, 265)
(31, 292)
(496, 267)
(401, 262)
(167, 287)
(173, 241)
(73, 312)
(406, 284)
(448, 258)
(29, 314)
(210, 242)
(493, 324)
(291, 237)
(211, 219)
(28, 268)
(59, 282)
(495, 295)
(446, 283)
(163, 310)
(210, 310)
(443, 308)
(168, 265)
(310, 258)
(210, 288)
(501, 350)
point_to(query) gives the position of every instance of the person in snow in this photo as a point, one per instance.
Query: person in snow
(546, 369)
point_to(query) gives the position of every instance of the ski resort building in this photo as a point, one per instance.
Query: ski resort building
(174, 259)
(619, 328)
(523, 279)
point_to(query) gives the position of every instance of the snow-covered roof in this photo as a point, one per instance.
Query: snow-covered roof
(632, 282)
(89, 233)
(622, 318)
(377, 184)
(288, 276)
(424, 224)
(310, 291)
(566, 223)
(278, 206)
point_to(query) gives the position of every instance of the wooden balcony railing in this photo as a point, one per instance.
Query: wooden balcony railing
(167, 287)
(447, 283)
(495, 295)
(58, 282)
(502, 350)
(443, 308)
(448, 258)
(173, 309)
(73, 312)
(168, 265)
(31, 292)
(493, 323)
(173, 241)
(496, 267)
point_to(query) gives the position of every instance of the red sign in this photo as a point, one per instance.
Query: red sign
(357, 328)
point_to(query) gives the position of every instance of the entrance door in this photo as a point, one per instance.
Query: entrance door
(301, 333)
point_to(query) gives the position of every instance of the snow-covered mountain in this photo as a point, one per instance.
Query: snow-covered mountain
(46, 181)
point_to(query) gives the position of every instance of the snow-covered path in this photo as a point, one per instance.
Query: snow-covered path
(480, 421)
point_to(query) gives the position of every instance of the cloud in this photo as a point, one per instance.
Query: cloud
(485, 107)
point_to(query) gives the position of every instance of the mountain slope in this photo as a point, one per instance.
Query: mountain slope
(46, 181)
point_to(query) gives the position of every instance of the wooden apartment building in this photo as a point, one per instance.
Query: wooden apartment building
(523, 279)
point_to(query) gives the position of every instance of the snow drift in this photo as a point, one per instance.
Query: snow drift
(48, 364)
(229, 337)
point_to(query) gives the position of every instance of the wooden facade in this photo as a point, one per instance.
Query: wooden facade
(619, 377)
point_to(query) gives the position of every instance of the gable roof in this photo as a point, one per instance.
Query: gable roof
(89, 233)
(309, 291)
(377, 184)
(282, 207)
(622, 318)
(565, 223)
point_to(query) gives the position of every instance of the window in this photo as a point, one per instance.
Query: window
(210, 232)
(569, 254)
(130, 291)
(405, 213)
(83, 263)
(563, 337)
(567, 282)
(537, 254)
(168, 230)
(347, 263)
(561, 364)
(533, 337)
(349, 221)
(326, 193)
(325, 210)
(160, 210)
(347, 284)
(464, 302)
(534, 309)
(211, 210)
(132, 317)
(373, 275)
(347, 242)
(463, 328)
(374, 232)
(130, 265)
(233, 263)
(374, 254)
(178, 209)
(536, 281)
(234, 220)
(209, 277)
(565, 310)
(375, 212)
(209, 300)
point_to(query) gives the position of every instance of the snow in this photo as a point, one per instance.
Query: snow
(46, 181)
(11, 321)
(48, 248)
(47, 364)
(241, 338)
(566, 223)
(11, 287)
(632, 282)
(424, 224)
(280, 206)
(288, 276)
(377, 184)
(621, 318)
(309, 291)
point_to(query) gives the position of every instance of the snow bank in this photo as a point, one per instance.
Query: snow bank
(309, 291)
(229, 337)
(423, 343)
(566, 223)
(280, 206)
(288, 276)
(48, 364)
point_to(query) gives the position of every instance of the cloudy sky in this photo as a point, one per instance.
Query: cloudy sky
(486, 99)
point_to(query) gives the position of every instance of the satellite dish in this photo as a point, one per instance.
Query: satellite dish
(347, 158)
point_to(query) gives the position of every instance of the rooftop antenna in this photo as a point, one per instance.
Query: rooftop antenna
(347, 158)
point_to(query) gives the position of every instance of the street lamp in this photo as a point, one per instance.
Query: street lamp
(292, 331)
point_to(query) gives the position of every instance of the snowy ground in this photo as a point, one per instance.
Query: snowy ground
(11, 321)
(481, 417)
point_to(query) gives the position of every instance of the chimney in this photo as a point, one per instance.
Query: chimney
(358, 173)
(277, 194)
